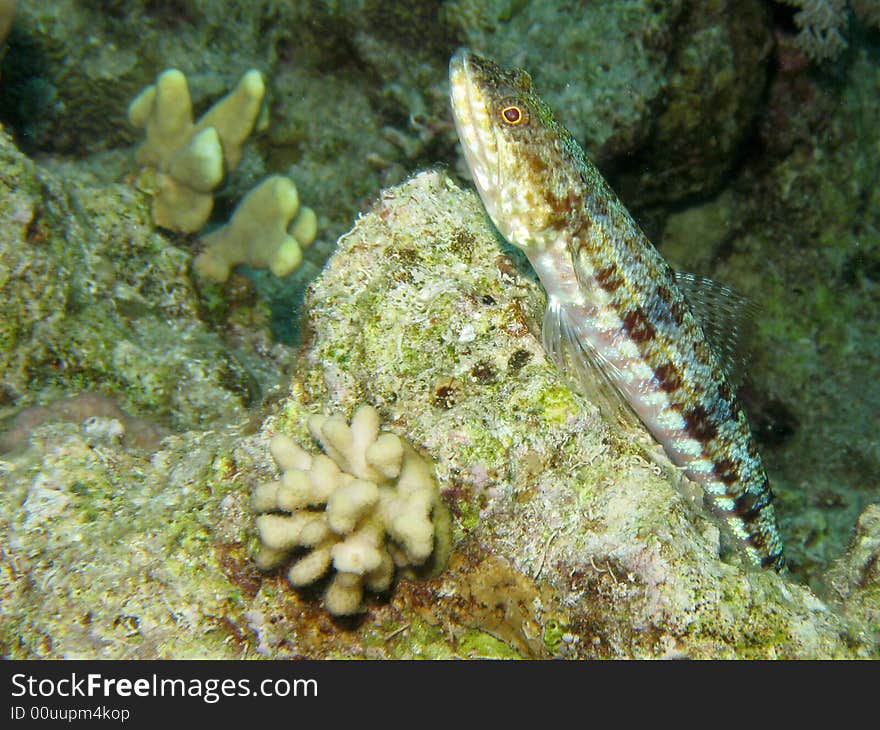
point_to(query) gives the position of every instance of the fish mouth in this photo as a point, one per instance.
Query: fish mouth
(470, 111)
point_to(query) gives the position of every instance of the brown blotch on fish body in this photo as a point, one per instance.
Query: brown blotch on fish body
(608, 278)
(637, 326)
(774, 560)
(678, 310)
(748, 505)
(725, 470)
(668, 377)
(725, 392)
(699, 423)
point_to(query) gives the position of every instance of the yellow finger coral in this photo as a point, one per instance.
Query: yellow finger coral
(190, 159)
(260, 233)
(368, 504)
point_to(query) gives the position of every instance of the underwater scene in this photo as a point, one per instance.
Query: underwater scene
(460, 329)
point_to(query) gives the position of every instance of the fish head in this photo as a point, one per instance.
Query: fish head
(517, 153)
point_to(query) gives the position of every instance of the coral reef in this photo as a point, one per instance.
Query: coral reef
(710, 101)
(93, 299)
(190, 159)
(567, 540)
(381, 510)
(75, 65)
(144, 563)
(363, 81)
(582, 512)
(570, 538)
(261, 233)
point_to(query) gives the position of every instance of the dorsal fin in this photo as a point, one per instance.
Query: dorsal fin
(727, 318)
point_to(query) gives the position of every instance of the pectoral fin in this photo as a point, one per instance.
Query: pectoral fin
(588, 371)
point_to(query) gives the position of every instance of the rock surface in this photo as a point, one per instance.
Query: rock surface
(571, 538)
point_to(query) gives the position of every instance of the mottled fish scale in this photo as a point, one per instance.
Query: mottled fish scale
(612, 299)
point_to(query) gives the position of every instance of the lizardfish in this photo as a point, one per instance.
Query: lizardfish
(616, 312)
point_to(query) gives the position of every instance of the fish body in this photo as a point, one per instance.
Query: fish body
(615, 309)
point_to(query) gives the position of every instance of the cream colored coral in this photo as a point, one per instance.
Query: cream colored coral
(260, 233)
(367, 505)
(191, 158)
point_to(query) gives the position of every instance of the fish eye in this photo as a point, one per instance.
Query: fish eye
(513, 114)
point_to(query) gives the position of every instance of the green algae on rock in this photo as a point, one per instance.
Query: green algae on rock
(126, 553)
(416, 296)
(92, 299)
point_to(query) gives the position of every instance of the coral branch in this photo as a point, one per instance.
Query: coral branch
(380, 505)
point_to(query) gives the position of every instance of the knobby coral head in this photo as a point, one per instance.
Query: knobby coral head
(367, 506)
